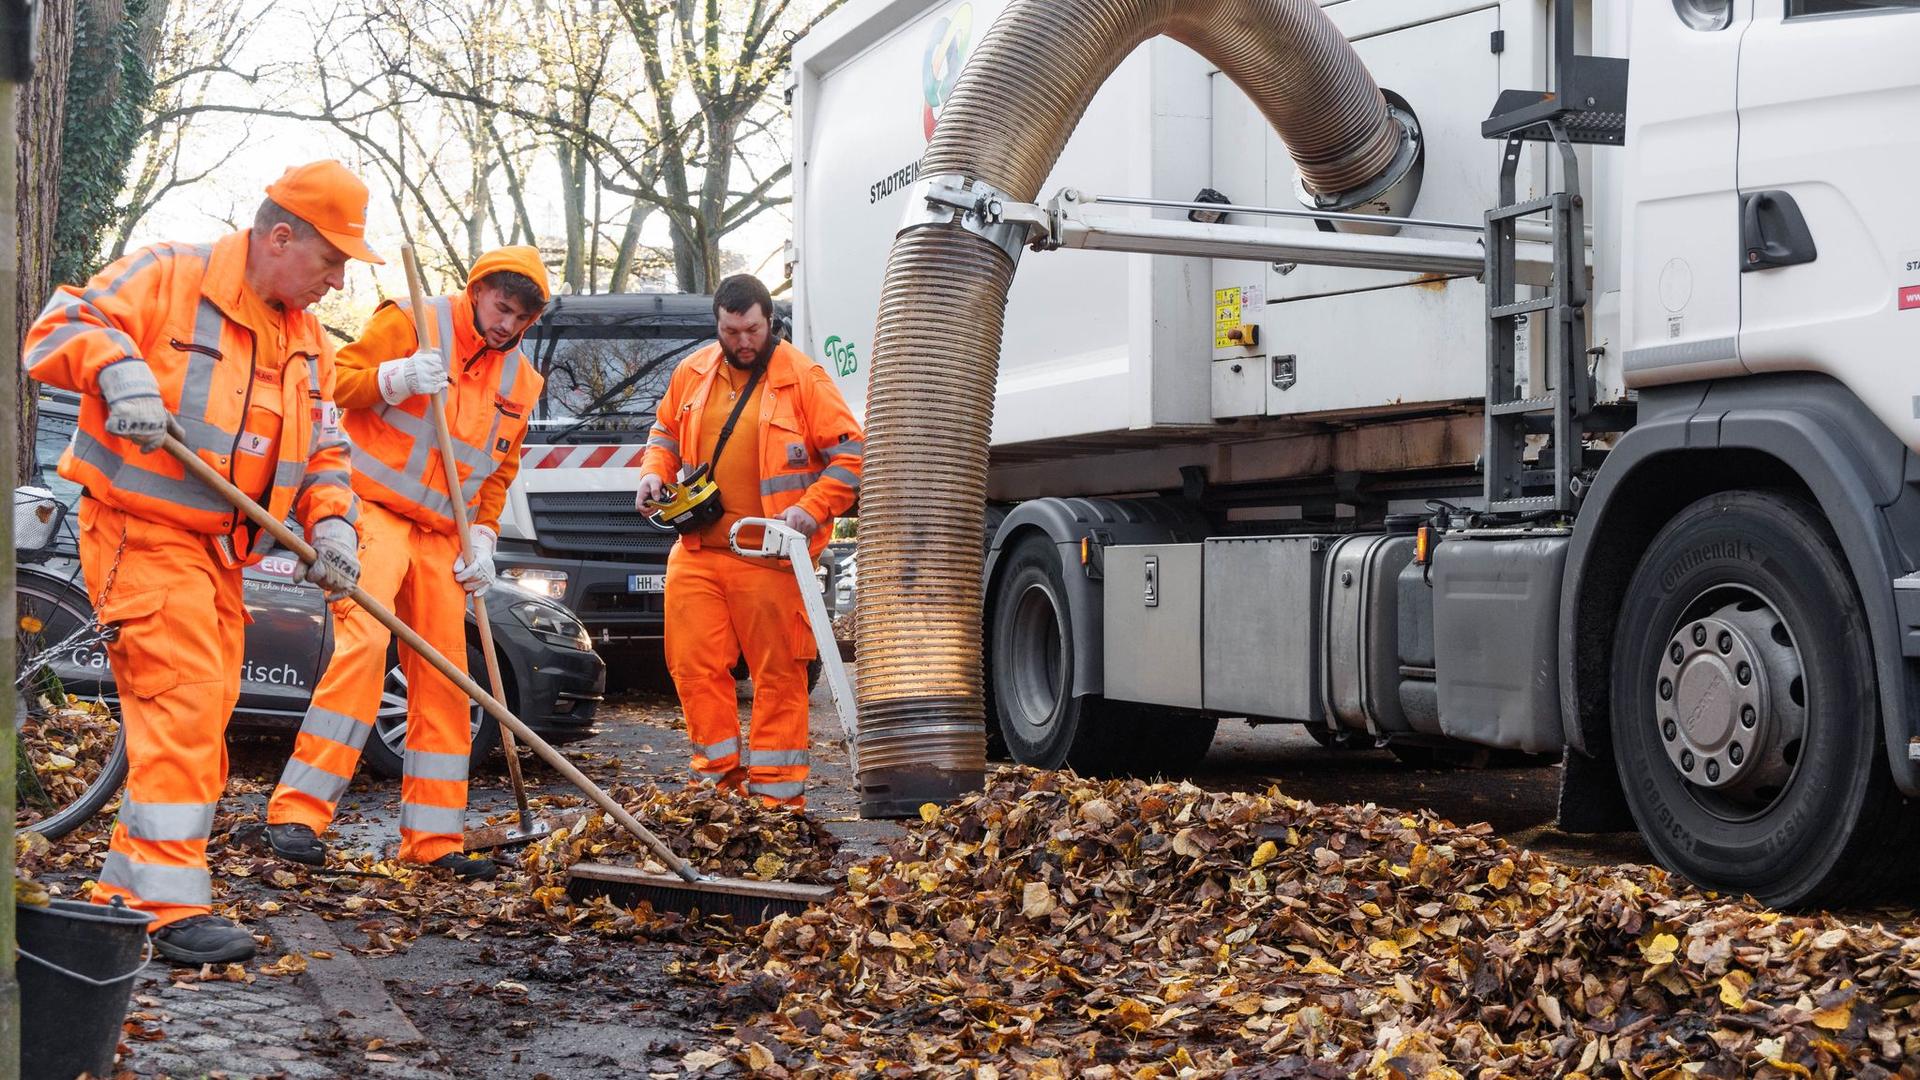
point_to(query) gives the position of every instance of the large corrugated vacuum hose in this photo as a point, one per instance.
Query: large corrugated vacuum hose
(936, 351)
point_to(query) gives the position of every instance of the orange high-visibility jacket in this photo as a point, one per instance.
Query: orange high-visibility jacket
(179, 307)
(396, 459)
(811, 447)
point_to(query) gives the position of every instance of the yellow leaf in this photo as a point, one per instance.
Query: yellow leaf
(1500, 875)
(1318, 966)
(1265, 853)
(1383, 949)
(759, 1058)
(1660, 949)
(1733, 989)
(290, 964)
(929, 813)
(1788, 1066)
(768, 866)
(1132, 1015)
(1835, 1018)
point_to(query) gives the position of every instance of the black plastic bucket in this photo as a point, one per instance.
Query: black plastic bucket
(77, 963)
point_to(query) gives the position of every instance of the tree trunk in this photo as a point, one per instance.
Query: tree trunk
(629, 247)
(573, 173)
(42, 115)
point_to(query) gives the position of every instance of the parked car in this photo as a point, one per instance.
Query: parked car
(554, 680)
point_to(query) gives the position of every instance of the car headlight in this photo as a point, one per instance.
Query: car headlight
(548, 583)
(552, 625)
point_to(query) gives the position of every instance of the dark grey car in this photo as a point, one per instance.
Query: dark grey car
(554, 680)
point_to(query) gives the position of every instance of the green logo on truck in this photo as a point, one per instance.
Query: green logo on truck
(845, 360)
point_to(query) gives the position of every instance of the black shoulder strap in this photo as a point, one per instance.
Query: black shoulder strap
(753, 380)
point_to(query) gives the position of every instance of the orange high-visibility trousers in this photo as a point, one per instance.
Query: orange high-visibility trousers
(176, 668)
(720, 607)
(409, 569)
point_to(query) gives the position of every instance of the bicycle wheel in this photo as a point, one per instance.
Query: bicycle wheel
(73, 753)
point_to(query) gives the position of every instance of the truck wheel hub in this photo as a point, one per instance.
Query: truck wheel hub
(1729, 698)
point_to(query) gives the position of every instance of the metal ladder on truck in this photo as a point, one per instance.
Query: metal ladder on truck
(1588, 105)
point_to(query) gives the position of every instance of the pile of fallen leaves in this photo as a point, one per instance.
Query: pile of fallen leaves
(1052, 927)
(64, 746)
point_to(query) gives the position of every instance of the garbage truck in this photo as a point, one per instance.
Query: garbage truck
(1585, 426)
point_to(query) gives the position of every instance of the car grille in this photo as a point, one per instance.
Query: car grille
(599, 522)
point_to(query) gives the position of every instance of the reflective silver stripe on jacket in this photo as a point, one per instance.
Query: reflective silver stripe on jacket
(410, 482)
(773, 485)
(129, 477)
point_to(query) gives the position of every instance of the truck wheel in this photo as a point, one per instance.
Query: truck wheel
(1031, 671)
(1030, 683)
(1746, 726)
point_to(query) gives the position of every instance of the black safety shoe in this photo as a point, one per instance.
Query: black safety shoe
(203, 939)
(297, 843)
(467, 867)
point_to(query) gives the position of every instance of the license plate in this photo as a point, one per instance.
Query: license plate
(647, 583)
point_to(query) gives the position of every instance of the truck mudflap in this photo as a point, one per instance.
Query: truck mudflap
(1810, 426)
(1103, 523)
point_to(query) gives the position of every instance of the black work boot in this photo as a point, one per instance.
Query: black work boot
(203, 939)
(467, 867)
(297, 843)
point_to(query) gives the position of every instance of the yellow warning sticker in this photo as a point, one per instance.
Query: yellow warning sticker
(1228, 304)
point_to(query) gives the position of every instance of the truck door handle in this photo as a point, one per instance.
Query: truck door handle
(1773, 232)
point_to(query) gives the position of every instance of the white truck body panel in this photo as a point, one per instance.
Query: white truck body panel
(1827, 115)
(1097, 343)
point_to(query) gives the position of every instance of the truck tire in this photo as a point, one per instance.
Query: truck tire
(1745, 723)
(1030, 680)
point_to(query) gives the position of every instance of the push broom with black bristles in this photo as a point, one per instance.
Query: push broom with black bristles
(686, 891)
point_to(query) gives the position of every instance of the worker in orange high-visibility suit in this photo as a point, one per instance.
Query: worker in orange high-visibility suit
(217, 335)
(794, 455)
(410, 551)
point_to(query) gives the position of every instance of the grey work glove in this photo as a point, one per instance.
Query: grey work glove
(134, 409)
(338, 546)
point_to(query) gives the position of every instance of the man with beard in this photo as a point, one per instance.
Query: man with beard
(778, 440)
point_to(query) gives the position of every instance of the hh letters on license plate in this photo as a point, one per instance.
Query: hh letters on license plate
(646, 583)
